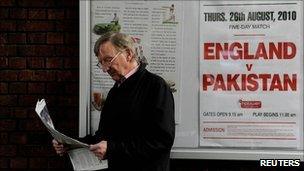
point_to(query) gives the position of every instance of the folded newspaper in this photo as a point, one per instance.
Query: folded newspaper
(80, 155)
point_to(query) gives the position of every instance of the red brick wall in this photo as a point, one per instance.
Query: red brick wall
(39, 58)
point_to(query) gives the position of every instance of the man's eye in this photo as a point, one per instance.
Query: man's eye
(107, 60)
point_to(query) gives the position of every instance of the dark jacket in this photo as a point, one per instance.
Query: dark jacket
(137, 121)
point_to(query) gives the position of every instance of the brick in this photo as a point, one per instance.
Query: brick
(8, 100)
(3, 88)
(7, 3)
(4, 13)
(19, 113)
(4, 112)
(4, 163)
(7, 75)
(72, 14)
(3, 62)
(38, 163)
(71, 63)
(8, 50)
(28, 100)
(67, 3)
(17, 38)
(36, 88)
(54, 38)
(38, 138)
(31, 113)
(7, 25)
(18, 138)
(35, 26)
(35, 3)
(36, 38)
(3, 138)
(67, 76)
(71, 38)
(18, 13)
(8, 150)
(17, 88)
(3, 38)
(66, 25)
(7, 125)
(69, 51)
(17, 63)
(25, 75)
(37, 14)
(44, 76)
(55, 14)
(31, 125)
(36, 151)
(54, 88)
(72, 88)
(18, 163)
(35, 62)
(35, 50)
(68, 101)
(54, 63)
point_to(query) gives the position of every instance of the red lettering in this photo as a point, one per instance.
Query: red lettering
(208, 80)
(208, 51)
(250, 82)
(235, 50)
(232, 81)
(289, 46)
(248, 66)
(273, 50)
(261, 51)
(238, 51)
(219, 83)
(292, 83)
(276, 83)
(264, 78)
(246, 52)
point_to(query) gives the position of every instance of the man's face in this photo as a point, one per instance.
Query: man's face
(113, 62)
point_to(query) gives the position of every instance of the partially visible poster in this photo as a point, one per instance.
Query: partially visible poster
(156, 28)
(251, 74)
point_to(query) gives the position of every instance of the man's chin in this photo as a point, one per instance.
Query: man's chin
(115, 77)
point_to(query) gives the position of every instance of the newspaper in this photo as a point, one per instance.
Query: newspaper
(80, 155)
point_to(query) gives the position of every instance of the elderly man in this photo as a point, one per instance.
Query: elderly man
(137, 128)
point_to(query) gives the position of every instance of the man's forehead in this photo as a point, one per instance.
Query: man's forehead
(106, 48)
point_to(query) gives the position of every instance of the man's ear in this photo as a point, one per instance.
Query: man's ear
(130, 54)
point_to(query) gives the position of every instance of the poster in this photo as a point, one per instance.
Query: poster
(156, 28)
(251, 74)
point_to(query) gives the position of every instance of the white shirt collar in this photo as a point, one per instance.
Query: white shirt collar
(129, 74)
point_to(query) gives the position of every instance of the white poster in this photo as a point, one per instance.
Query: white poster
(251, 74)
(156, 28)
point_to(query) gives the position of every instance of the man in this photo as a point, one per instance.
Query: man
(137, 128)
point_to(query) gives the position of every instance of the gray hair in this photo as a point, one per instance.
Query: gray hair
(120, 41)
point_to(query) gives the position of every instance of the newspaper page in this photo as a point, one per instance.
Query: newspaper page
(84, 159)
(251, 71)
(81, 157)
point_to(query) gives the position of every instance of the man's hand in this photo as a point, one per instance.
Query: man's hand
(99, 149)
(59, 148)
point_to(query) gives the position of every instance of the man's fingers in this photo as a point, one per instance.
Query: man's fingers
(59, 147)
(99, 150)
(93, 147)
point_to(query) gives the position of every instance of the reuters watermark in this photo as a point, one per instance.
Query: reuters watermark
(280, 162)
